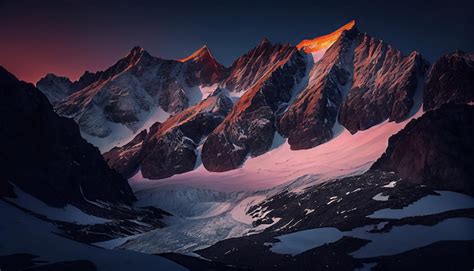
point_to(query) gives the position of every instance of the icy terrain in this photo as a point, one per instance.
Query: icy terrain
(210, 207)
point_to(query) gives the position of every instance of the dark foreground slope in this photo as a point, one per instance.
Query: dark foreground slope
(44, 155)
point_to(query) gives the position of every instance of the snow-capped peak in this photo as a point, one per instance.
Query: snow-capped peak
(324, 42)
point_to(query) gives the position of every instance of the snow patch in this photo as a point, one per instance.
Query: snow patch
(380, 197)
(390, 185)
(429, 205)
(398, 240)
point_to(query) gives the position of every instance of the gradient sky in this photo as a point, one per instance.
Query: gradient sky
(67, 37)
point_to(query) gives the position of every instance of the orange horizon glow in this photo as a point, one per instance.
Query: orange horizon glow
(321, 42)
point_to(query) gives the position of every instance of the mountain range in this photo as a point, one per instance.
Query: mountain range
(233, 168)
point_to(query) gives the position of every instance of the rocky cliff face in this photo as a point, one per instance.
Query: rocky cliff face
(451, 79)
(44, 155)
(309, 120)
(436, 148)
(383, 84)
(171, 147)
(360, 81)
(250, 68)
(250, 127)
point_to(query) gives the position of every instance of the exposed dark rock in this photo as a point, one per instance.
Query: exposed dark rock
(451, 79)
(436, 148)
(45, 154)
(250, 127)
(248, 69)
(383, 86)
(126, 159)
(170, 148)
(309, 120)
(168, 154)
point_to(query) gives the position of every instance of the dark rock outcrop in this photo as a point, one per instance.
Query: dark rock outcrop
(451, 79)
(172, 148)
(383, 85)
(126, 159)
(250, 127)
(44, 154)
(436, 148)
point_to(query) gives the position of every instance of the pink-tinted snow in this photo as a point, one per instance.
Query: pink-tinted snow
(344, 155)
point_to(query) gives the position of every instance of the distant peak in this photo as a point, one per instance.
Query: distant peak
(201, 53)
(324, 42)
(54, 77)
(136, 49)
(265, 41)
(135, 54)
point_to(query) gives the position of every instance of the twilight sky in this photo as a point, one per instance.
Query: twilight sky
(67, 37)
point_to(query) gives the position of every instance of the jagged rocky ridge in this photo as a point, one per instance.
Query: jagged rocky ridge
(135, 86)
(357, 81)
(250, 127)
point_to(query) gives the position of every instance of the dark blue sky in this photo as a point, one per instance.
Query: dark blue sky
(70, 36)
